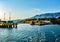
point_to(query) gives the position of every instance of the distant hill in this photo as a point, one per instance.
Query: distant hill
(47, 15)
(17, 20)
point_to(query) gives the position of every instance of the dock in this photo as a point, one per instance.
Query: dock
(8, 24)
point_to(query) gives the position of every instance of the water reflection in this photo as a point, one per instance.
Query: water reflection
(29, 33)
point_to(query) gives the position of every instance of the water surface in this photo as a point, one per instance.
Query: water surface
(31, 33)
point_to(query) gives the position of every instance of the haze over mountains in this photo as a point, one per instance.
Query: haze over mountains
(47, 15)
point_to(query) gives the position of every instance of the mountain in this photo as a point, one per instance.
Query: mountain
(47, 15)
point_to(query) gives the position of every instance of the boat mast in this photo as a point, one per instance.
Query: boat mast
(4, 16)
(9, 16)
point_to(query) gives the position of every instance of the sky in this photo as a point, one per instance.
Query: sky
(21, 9)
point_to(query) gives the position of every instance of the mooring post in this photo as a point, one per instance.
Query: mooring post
(14, 25)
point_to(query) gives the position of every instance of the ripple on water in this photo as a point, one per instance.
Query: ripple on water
(29, 33)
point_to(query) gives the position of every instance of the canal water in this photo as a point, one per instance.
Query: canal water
(31, 33)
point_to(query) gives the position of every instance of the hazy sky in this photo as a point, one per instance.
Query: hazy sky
(27, 8)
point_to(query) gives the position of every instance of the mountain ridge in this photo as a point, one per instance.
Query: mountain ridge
(47, 15)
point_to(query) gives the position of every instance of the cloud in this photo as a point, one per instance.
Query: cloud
(37, 11)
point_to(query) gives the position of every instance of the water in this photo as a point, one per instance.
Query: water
(31, 33)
